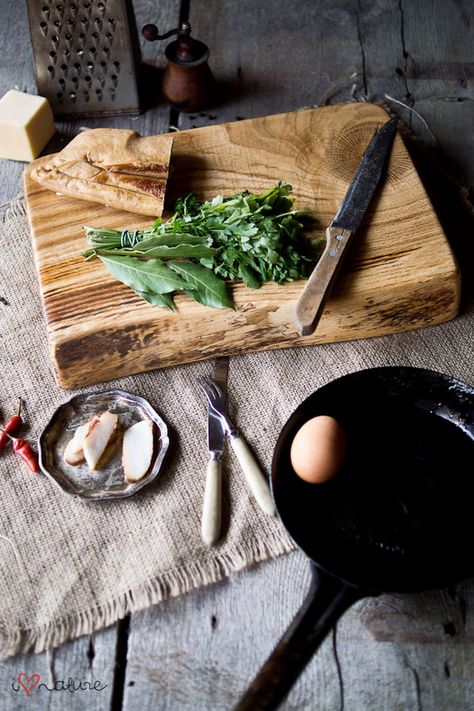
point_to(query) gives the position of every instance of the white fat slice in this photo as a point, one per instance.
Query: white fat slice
(137, 450)
(98, 437)
(73, 453)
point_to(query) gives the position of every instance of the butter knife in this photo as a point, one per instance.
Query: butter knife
(212, 504)
(310, 304)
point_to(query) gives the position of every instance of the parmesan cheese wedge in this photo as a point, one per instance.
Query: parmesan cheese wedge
(26, 125)
(98, 437)
(137, 450)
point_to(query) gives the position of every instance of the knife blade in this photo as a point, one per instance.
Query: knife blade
(344, 225)
(211, 511)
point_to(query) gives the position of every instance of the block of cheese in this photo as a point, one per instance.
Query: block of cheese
(26, 125)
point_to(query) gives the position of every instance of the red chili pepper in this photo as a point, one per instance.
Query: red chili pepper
(12, 427)
(23, 448)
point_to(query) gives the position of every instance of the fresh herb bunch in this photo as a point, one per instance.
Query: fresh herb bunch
(252, 238)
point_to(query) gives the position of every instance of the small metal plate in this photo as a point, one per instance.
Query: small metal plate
(107, 483)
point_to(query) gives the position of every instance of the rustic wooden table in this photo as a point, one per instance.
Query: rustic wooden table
(200, 651)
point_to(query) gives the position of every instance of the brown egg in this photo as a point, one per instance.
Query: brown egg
(318, 449)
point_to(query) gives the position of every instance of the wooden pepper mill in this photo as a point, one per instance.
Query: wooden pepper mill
(187, 80)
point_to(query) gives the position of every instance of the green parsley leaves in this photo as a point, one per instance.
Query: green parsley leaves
(250, 238)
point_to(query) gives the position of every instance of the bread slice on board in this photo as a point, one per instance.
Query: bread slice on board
(112, 166)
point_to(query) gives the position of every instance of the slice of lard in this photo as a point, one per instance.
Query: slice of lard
(98, 437)
(73, 453)
(137, 450)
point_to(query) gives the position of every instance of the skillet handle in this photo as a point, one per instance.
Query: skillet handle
(327, 598)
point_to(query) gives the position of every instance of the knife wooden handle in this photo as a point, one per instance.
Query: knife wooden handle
(254, 475)
(211, 510)
(310, 304)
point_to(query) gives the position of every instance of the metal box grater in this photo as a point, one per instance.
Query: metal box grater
(86, 56)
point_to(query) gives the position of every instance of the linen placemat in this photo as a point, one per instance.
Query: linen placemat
(70, 567)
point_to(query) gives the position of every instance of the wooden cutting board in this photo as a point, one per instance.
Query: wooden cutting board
(400, 274)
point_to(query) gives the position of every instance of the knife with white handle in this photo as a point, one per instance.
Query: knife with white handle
(212, 504)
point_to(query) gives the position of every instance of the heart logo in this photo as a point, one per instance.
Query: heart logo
(28, 683)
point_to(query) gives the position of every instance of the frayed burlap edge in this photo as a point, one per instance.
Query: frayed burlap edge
(13, 209)
(150, 592)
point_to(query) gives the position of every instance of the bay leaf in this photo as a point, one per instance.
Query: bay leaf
(150, 276)
(212, 290)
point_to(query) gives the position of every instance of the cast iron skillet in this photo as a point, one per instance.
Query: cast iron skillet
(398, 515)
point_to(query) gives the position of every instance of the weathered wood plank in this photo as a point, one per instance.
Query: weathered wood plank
(272, 57)
(200, 651)
(88, 661)
(421, 54)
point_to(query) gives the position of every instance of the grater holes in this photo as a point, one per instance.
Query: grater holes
(82, 45)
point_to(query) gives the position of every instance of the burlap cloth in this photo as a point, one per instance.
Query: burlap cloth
(68, 567)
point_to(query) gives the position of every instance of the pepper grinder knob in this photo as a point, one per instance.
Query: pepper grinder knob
(150, 32)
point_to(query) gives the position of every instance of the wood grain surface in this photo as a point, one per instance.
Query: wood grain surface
(400, 273)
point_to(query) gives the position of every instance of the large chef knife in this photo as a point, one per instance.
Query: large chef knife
(211, 511)
(310, 304)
